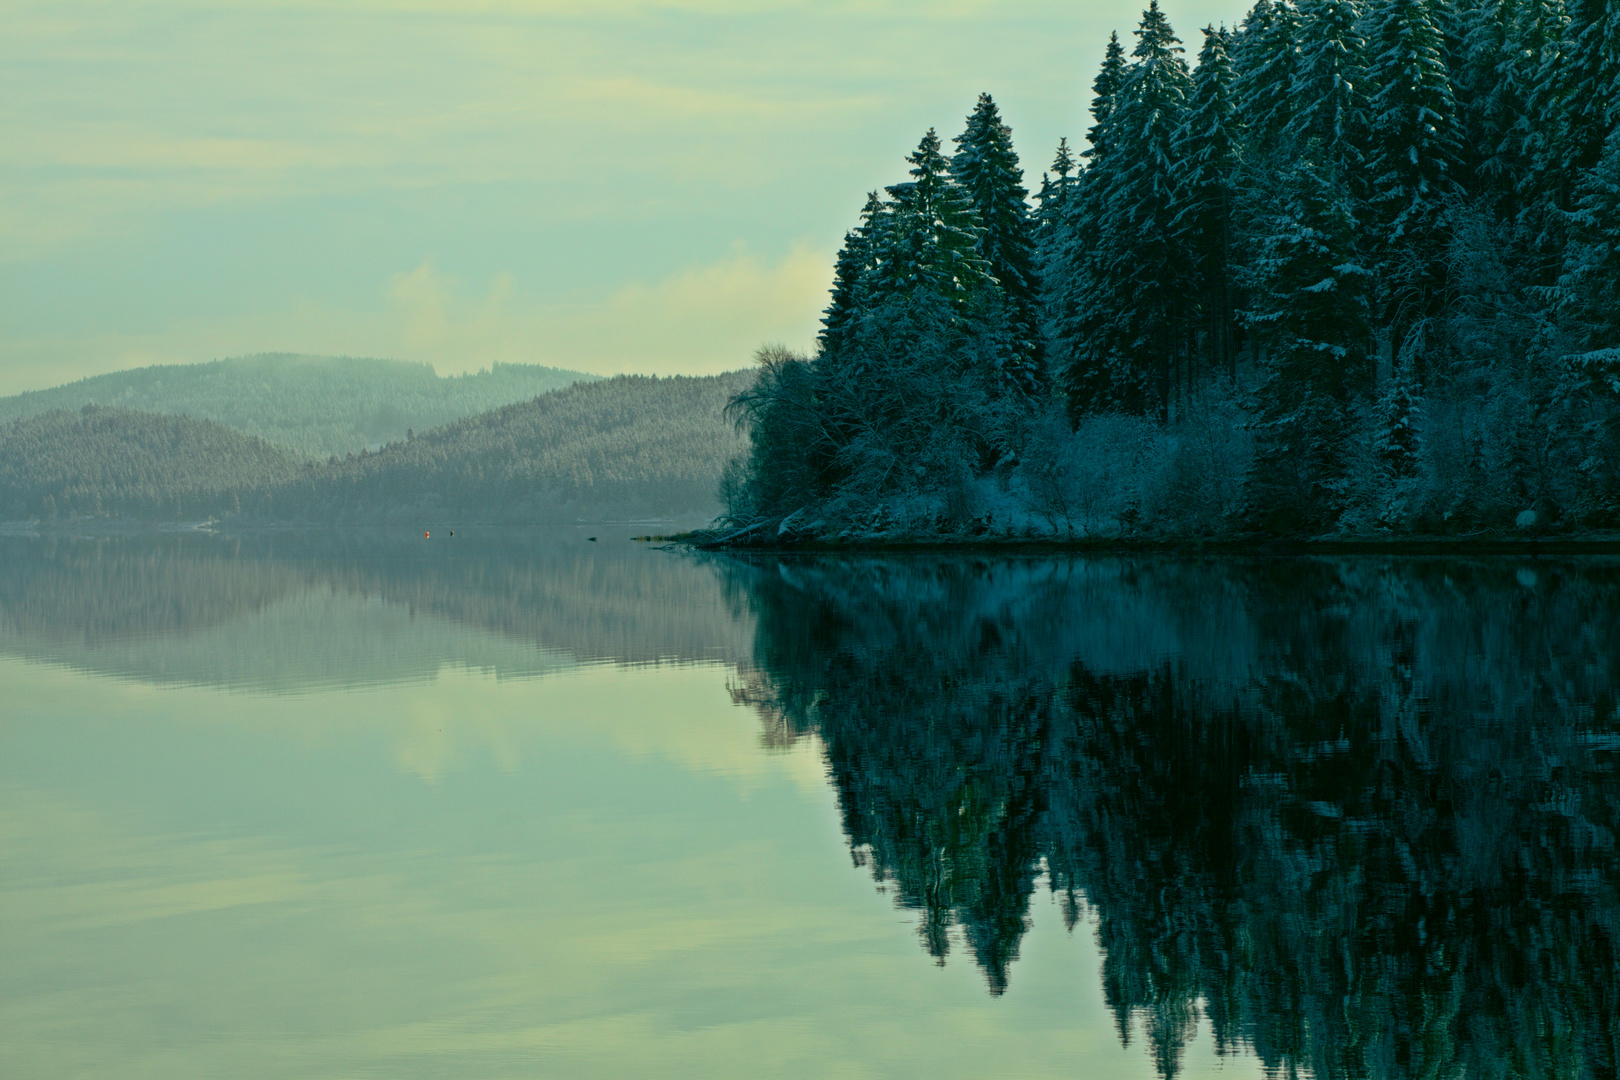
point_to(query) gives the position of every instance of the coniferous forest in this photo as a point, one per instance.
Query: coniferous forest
(632, 447)
(1353, 269)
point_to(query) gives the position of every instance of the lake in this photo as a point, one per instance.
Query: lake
(365, 804)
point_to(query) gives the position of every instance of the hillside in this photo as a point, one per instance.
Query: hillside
(630, 447)
(123, 463)
(317, 405)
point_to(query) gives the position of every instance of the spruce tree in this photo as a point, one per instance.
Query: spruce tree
(1414, 151)
(850, 280)
(987, 171)
(1329, 95)
(1490, 97)
(1105, 91)
(1266, 59)
(1206, 151)
(1590, 282)
(932, 237)
(1309, 311)
(1049, 203)
(1120, 319)
(1545, 190)
(1594, 73)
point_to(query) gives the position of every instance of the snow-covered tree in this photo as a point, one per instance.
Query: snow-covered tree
(1206, 151)
(1414, 152)
(1309, 311)
(1266, 60)
(1590, 283)
(1329, 91)
(1414, 118)
(1105, 91)
(986, 170)
(931, 240)
(1121, 316)
(850, 274)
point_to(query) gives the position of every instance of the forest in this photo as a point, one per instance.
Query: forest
(1375, 842)
(1355, 272)
(627, 448)
(315, 405)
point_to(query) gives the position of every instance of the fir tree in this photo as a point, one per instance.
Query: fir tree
(1594, 63)
(1206, 151)
(1309, 310)
(1413, 159)
(1329, 86)
(1124, 305)
(987, 171)
(1545, 189)
(1049, 203)
(1105, 91)
(1266, 60)
(1491, 97)
(932, 237)
(849, 280)
(1398, 442)
(1590, 283)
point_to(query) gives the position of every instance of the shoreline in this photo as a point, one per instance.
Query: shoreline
(1279, 547)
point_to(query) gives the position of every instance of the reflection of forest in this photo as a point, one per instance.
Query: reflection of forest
(346, 607)
(1362, 813)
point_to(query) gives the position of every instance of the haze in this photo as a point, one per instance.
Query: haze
(621, 186)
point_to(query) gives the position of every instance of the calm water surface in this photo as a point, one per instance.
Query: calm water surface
(367, 805)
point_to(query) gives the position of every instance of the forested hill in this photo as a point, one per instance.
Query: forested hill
(123, 463)
(317, 405)
(625, 448)
(1356, 270)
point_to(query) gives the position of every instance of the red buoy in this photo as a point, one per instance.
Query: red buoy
(426, 535)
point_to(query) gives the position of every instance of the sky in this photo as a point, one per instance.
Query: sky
(652, 186)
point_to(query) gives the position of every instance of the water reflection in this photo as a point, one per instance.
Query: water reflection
(1361, 814)
(335, 609)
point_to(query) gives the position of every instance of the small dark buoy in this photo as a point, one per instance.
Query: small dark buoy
(452, 532)
(590, 538)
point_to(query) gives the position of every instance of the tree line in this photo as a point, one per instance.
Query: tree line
(1357, 269)
(628, 448)
(314, 405)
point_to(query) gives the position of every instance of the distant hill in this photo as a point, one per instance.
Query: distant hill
(627, 448)
(630, 447)
(317, 405)
(123, 463)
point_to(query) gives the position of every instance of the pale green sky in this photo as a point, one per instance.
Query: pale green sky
(621, 185)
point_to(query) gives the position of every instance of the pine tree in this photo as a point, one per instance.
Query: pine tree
(1539, 65)
(1398, 443)
(1329, 87)
(1119, 317)
(987, 171)
(1105, 91)
(1594, 69)
(1491, 97)
(1309, 311)
(849, 279)
(932, 236)
(1590, 283)
(1413, 159)
(1206, 150)
(1049, 202)
(1266, 59)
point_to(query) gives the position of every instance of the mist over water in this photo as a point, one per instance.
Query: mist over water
(362, 802)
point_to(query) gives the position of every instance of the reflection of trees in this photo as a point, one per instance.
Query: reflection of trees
(215, 610)
(1361, 814)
